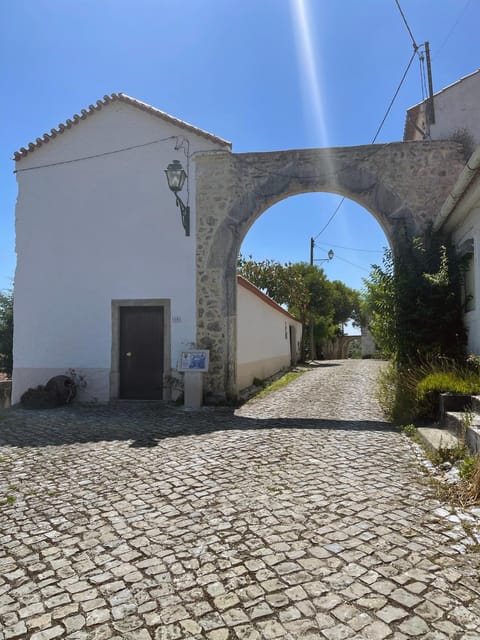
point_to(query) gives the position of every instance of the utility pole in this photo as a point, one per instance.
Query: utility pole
(430, 106)
(312, 327)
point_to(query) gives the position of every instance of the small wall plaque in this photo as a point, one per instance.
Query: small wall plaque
(196, 360)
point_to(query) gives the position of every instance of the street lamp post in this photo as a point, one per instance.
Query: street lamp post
(330, 255)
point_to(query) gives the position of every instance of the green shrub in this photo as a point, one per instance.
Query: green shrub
(412, 391)
(448, 454)
(467, 467)
(431, 386)
(396, 393)
(409, 430)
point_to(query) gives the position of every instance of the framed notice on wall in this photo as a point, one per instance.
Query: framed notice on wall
(196, 360)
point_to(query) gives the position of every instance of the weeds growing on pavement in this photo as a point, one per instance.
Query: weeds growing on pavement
(467, 491)
(281, 382)
(470, 488)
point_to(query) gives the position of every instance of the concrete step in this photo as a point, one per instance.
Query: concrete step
(464, 425)
(475, 400)
(436, 438)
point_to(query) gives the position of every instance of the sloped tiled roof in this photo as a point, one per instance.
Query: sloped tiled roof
(246, 284)
(100, 104)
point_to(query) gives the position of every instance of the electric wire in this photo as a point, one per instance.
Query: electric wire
(352, 263)
(415, 46)
(374, 138)
(423, 77)
(337, 246)
(330, 219)
(415, 50)
(98, 155)
(447, 37)
(394, 96)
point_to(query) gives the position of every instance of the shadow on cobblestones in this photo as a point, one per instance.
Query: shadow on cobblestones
(145, 424)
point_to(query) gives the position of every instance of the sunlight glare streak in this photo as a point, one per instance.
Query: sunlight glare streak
(308, 67)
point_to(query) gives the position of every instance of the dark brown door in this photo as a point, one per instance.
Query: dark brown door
(141, 352)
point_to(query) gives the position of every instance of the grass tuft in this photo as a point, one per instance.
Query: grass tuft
(281, 382)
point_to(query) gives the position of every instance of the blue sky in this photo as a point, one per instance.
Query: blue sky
(264, 74)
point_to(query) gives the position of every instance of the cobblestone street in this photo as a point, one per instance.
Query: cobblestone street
(300, 516)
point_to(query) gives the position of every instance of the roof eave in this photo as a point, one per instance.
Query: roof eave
(100, 104)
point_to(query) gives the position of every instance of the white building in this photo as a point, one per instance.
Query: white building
(268, 337)
(456, 110)
(457, 115)
(460, 215)
(106, 274)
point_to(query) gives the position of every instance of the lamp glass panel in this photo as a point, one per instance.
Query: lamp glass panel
(175, 176)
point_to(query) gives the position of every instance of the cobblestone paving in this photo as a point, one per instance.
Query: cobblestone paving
(301, 516)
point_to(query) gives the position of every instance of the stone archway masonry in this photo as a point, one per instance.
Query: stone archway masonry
(403, 185)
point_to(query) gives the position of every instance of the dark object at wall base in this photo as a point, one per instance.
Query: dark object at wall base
(454, 402)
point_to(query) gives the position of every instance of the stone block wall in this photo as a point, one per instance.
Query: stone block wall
(403, 185)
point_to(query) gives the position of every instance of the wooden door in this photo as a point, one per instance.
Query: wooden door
(141, 353)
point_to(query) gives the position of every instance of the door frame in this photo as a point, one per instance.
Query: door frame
(115, 358)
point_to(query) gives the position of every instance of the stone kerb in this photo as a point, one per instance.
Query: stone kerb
(403, 185)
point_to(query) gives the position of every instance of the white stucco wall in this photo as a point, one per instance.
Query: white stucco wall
(367, 343)
(469, 229)
(457, 107)
(263, 342)
(96, 230)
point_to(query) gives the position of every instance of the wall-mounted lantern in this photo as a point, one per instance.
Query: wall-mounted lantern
(176, 177)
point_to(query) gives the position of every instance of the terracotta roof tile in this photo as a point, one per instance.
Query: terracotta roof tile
(246, 284)
(100, 104)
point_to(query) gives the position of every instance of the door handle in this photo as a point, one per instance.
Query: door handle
(128, 354)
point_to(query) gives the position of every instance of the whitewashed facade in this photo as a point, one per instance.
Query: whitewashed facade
(460, 215)
(456, 108)
(268, 337)
(97, 229)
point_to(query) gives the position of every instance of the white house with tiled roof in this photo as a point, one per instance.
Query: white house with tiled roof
(268, 336)
(106, 274)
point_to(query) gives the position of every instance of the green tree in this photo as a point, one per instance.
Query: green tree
(345, 302)
(414, 302)
(306, 292)
(6, 332)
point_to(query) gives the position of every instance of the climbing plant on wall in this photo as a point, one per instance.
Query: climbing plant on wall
(414, 301)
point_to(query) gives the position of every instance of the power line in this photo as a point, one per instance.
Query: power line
(97, 155)
(455, 24)
(415, 49)
(374, 137)
(394, 96)
(423, 75)
(415, 46)
(352, 264)
(331, 218)
(337, 246)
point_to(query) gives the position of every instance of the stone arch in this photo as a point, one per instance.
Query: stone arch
(402, 185)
